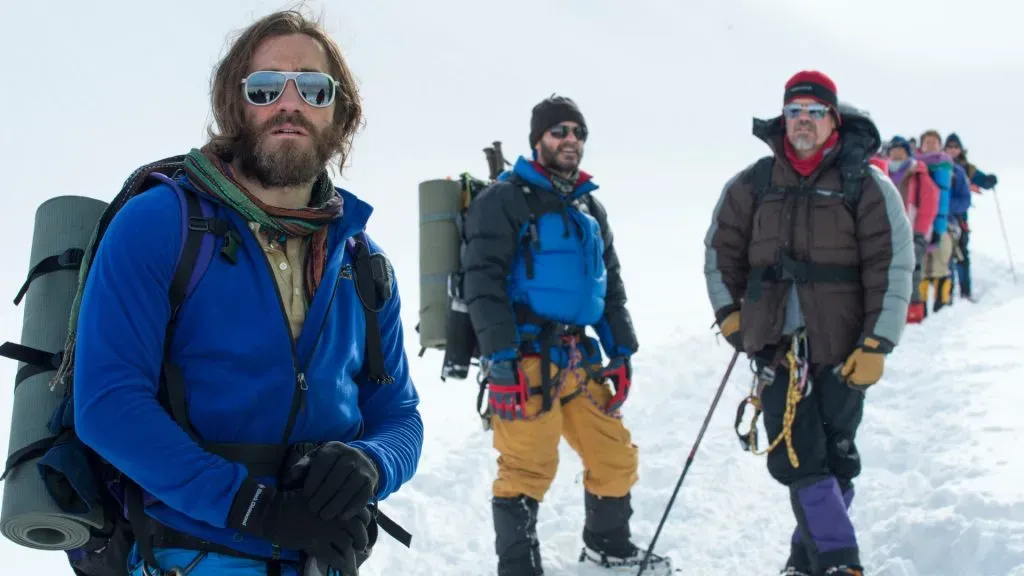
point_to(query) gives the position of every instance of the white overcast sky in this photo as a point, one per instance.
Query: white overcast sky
(92, 90)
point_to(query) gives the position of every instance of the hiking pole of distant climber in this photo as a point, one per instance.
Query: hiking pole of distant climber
(1006, 240)
(689, 460)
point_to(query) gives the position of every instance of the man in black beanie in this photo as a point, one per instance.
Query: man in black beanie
(540, 268)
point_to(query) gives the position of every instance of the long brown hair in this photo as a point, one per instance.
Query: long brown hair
(228, 105)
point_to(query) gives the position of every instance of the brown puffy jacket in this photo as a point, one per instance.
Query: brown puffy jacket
(811, 223)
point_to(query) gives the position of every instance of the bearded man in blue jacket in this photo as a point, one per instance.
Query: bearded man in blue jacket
(540, 269)
(271, 343)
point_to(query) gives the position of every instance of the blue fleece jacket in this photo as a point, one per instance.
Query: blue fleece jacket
(235, 347)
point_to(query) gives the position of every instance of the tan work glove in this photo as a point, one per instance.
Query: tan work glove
(864, 366)
(730, 327)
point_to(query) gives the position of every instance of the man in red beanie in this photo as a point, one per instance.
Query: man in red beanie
(811, 247)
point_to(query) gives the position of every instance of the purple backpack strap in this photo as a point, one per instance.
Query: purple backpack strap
(191, 222)
(352, 246)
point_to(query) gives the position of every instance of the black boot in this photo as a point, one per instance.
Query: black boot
(515, 531)
(607, 525)
(606, 537)
(943, 288)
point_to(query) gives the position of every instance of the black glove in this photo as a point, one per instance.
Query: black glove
(284, 519)
(357, 528)
(340, 481)
(992, 181)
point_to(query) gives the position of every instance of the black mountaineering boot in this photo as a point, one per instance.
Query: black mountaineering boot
(515, 531)
(606, 540)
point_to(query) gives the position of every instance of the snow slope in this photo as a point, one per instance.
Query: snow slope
(941, 492)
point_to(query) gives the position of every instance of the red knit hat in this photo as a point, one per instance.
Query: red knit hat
(813, 84)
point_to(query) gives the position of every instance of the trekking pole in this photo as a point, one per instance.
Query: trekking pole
(1005, 239)
(689, 460)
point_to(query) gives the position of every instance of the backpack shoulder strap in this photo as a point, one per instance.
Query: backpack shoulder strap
(374, 286)
(853, 184)
(199, 227)
(761, 178)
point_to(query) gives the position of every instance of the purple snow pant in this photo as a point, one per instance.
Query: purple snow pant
(821, 488)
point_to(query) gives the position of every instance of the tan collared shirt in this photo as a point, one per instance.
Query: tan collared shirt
(288, 263)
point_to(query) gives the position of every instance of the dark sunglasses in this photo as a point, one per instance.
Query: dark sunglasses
(264, 87)
(562, 131)
(816, 111)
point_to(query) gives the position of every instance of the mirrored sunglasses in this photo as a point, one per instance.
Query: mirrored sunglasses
(264, 87)
(816, 111)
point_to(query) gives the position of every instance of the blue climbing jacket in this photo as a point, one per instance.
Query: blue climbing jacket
(241, 368)
(535, 255)
(960, 192)
(940, 167)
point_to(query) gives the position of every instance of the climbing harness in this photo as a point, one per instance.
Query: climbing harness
(571, 343)
(175, 571)
(799, 387)
(575, 363)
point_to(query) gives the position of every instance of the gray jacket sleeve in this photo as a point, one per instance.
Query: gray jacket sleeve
(618, 337)
(492, 228)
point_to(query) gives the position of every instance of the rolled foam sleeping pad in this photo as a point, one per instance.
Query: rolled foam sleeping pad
(440, 242)
(29, 516)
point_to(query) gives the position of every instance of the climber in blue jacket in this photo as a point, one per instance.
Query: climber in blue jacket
(272, 342)
(977, 180)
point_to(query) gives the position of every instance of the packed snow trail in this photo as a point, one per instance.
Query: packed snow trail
(940, 493)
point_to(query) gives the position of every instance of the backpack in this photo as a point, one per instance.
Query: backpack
(121, 500)
(460, 346)
(444, 322)
(852, 174)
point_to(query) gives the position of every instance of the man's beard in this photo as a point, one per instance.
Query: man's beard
(805, 142)
(549, 158)
(291, 163)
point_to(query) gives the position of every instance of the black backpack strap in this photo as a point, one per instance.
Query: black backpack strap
(34, 450)
(761, 178)
(853, 185)
(531, 240)
(374, 281)
(173, 390)
(171, 393)
(70, 259)
(35, 361)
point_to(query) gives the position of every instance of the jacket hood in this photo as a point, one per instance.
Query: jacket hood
(533, 173)
(858, 135)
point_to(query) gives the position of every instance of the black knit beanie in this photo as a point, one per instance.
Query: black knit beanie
(550, 112)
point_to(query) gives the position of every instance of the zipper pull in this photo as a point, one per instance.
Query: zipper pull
(301, 377)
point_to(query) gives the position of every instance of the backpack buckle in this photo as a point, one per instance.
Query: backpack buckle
(199, 224)
(70, 257)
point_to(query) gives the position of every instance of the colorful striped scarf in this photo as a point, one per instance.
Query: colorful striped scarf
(209, 174)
